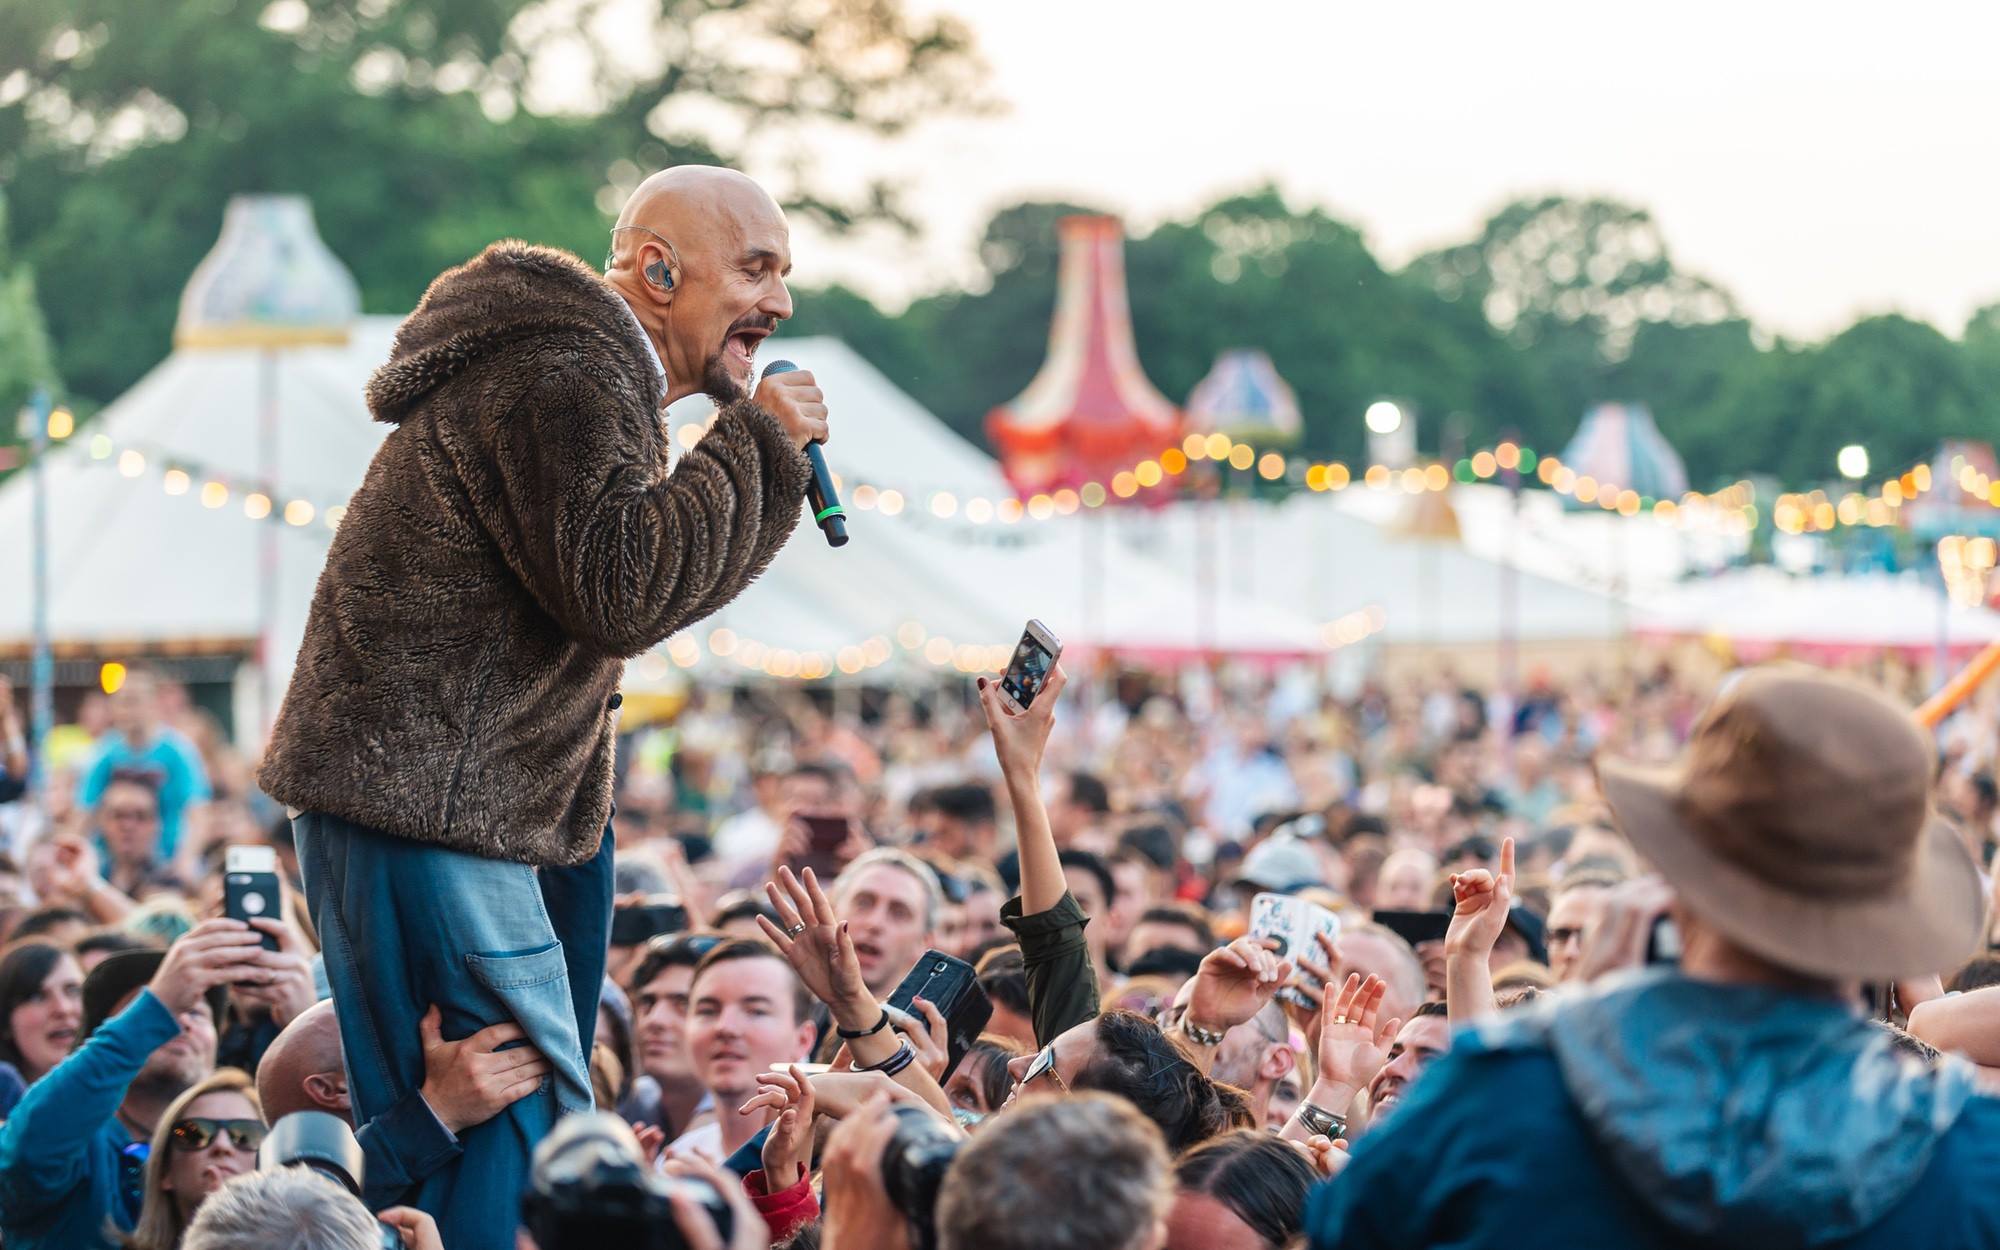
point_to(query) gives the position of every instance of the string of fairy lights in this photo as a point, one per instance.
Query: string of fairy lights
(1734, 508)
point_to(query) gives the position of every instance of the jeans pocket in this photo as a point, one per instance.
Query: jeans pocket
(533, 988)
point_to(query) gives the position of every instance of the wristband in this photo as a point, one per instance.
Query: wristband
(1320, 1122)
(905, 1055)
(881, 1024)
(1200, 1036)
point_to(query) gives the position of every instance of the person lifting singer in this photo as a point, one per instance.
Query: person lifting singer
(446, 742)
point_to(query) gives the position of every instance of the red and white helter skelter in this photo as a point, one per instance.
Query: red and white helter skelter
(1089, 412)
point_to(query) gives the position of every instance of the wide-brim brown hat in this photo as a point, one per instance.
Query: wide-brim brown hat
(1799, 824)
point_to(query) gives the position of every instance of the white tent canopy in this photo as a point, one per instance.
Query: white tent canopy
(1326, 565)
(1762, 610)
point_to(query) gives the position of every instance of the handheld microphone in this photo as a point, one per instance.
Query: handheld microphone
(820, 492)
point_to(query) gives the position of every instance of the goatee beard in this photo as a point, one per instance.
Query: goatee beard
(719, 384)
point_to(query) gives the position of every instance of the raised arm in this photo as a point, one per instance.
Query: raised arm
(1019, 739)
(1062, 983)
(1479, 915)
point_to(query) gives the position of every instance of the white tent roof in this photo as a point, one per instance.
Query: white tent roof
(129, 562)
(1325, 564)
(132, 563)
(1762, 609)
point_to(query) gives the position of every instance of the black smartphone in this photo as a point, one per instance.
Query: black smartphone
(641, 922)
(1415, 927)
(952, 986)
(1034, 659)
(825, 835)
(250, 886)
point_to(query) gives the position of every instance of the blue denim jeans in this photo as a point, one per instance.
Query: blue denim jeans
(405, 924)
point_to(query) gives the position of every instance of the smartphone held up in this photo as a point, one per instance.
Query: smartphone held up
(1034, 661)
(250, 887)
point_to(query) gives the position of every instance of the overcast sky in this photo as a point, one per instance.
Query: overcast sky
(1820, 160)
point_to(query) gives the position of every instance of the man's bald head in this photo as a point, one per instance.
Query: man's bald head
(726, 247)
(301, 1071)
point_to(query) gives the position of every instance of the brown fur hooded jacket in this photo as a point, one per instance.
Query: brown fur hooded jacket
(517, 537)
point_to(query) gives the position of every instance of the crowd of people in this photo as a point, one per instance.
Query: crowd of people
(1630, 961)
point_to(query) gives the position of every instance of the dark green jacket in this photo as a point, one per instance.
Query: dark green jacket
(1062, 986)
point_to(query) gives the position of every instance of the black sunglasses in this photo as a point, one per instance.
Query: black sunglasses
(197, 1133)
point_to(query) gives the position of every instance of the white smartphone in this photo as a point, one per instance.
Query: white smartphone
(250, 886)
(1034, 659)
(1292, 923)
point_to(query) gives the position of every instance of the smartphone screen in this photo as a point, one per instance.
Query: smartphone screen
(1034, 659)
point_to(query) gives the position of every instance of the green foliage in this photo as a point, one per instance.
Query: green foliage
(25, 360)
(1554, 306)
(420, 129)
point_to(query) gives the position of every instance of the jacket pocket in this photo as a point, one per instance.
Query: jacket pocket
(533, 989)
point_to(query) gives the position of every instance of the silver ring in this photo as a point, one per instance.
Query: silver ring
(796, 929)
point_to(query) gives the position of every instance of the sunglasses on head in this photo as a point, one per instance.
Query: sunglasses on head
(197, 1133)
(1044, 1064)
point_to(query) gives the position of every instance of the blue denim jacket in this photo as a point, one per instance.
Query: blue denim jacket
(1668, 1112)
(62, 1181)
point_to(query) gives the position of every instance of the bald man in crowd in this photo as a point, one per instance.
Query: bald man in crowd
(446, 743)
(465, 1084)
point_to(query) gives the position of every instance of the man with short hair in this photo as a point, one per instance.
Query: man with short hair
(1742, 1098)
(748, 1012)
(142, 742)
(1422, 1039)
(128, 819)
(890, 901)
(959, 822)
(1079, 809)
(449, 735)
(67, 1170)
(1180, 926)
(1574, 914)
(660, 986)
(1085, 1172)
(1369, 948)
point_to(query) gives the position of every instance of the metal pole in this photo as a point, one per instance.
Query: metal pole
(43, 701)
(267, 563)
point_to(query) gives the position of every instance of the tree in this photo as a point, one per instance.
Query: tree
(420, 129)
(25, 361)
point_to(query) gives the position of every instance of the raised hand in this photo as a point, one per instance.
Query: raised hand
(929, 1036)
(817, 946)
(1480, 902)
(291, 989)
(1020, 736)
(470, 1081)
(1234, 982)
(214, 952)
(788, 1147)
(1353, 1040)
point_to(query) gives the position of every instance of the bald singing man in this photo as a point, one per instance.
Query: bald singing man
(446, 742)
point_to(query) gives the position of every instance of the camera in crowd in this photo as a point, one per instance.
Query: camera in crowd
(324, 1143)
(591, 1189)
(913, 1167)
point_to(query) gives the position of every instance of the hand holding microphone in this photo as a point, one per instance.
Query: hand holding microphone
(791, 395)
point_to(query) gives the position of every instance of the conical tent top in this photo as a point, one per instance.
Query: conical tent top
(268, 282)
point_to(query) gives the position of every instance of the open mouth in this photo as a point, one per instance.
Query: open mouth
(64, 1038)
(741, 346)
(867, 952)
